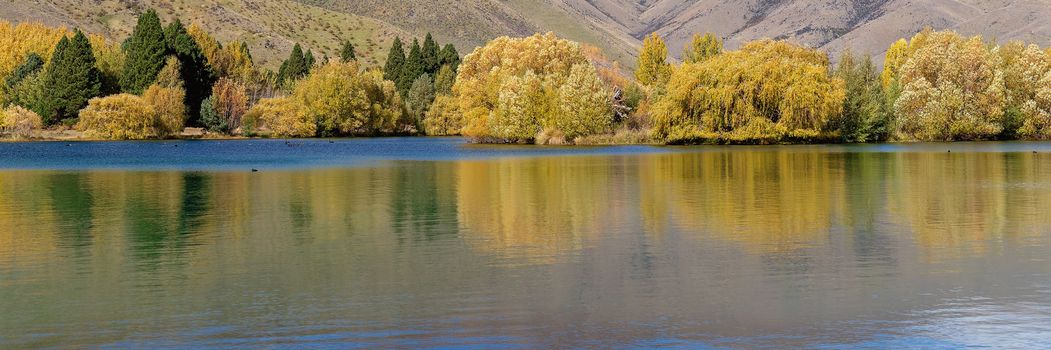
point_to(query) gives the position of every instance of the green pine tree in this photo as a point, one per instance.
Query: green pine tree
(294, 67)
(347, 53)
(395, 61)
(309, 58)
(146, 50)
(449, 57)
(414, 67)
(246, 51)
(430, 53)
(71, 79)
(196, 73)
(32, 64)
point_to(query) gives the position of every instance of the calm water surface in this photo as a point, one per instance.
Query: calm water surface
(404, 243)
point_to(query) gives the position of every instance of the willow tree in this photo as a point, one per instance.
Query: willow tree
(951, 90)
(653, 61)
(510, 89)
(766, 90)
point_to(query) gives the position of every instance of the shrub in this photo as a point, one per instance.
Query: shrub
(123, 117)
(280, 117)
(169, 108)
(20, 122)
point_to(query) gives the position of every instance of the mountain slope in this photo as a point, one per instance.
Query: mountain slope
(270, 27)
(863, 25)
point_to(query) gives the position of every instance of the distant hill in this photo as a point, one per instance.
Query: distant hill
(271, 27)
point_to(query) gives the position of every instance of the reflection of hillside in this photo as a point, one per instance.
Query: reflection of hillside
(534, 209)
(769, 201)
(962, 204)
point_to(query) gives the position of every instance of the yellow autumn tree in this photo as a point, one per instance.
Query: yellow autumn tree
(17, 42)
(1026, 75)
(19, 122)
(279, 117)
(509, 90)
(951, 89)
(583, 104)
(443, 118)
(653, 62)
(766, 91)
(893, 61)
(702, 47)
(118, 117)
(230, 101)
(336, 99)
(230, 61)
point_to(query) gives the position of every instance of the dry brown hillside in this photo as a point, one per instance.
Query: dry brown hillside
(863, 25)
(272, 26)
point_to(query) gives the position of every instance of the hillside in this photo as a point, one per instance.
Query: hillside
(272, 26)
(863, 25)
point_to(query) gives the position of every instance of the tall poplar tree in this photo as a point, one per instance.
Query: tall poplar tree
(653, 61)
(145, 50)
(395, 61)
(71, 79)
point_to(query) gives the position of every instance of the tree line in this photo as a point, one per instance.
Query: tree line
(163, 78)
(935, 86)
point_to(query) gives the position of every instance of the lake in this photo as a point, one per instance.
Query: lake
(431, 242)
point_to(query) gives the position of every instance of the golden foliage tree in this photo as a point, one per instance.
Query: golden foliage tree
(19, 121)
(229, 61)
(508, 90)
(168, 107)
(346, 101)
(583, 104)
(702, 47)
(653, 62)
(443, 118)
(120, 117)
(281, 117)
(893, 61)
(765, 91)
(1027, 82)
(230, 101)
(951, 89)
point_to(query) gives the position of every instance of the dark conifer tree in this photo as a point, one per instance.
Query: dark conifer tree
(71, 79)
(414, 67)
(347, 54)
(33, 63)
(395, 61)
(309, 58)
(449, 57)
(246, 51)
(196, 73)
(145, 50)
(430, 55)
(294, 67)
